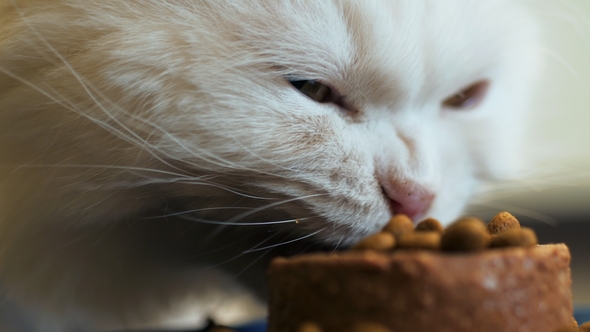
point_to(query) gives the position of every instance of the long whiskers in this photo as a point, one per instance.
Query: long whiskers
(205, 180)
(176, 214)
(240, 254)
(178, 176)
(284, 243)
(562, 61)
(338, 244)
(229, 245)
(540, 179)
(227, 223)
(125, 132)
(253, 211)
(92, 93)
(254, 261)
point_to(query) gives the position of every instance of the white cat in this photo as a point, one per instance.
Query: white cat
(154, 154)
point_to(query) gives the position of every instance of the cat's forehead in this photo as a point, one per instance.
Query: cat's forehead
(423, 46)
(408, 45)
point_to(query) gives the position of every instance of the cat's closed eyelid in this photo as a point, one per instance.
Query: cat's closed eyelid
(323, 93)
(469, 97)
(313, 89)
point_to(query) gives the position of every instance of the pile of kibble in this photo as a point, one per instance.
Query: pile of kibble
(373, 327)
(464, 235)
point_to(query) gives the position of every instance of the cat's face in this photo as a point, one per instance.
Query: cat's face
(208, 89)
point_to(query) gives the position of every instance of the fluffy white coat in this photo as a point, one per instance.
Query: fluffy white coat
(138, 137)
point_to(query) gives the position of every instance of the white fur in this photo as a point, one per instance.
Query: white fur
(115, 113)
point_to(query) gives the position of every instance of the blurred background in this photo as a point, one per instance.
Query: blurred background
(554, 197)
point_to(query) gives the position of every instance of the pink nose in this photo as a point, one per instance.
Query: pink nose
(409, 198)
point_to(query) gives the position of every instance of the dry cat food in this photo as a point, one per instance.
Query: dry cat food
(399, 225)
(379, 241)
(374, 327)
(575, 328)
(471, 276)
(502, 222)
(420, 240)
(359, 327)
(465, 235)
(429, 225)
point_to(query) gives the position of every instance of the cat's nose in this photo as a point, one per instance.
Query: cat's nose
(410, 199)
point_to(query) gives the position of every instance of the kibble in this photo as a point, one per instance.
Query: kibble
(399, 225)
(467, 234)
(220, 329)
(370, 327)
(585, 327)
(430, 225)
(521, 237)
(380, 241)
(502, 222)
(572, 328)
(420, 240)
(309, 327)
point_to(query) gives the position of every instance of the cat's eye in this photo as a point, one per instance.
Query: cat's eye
(314, 90)
(468, 97)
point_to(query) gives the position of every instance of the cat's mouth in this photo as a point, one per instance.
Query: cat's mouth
(392, 204)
